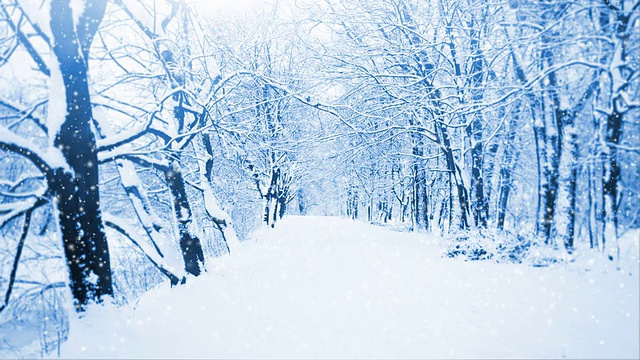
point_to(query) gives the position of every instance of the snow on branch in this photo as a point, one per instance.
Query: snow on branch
(122, 227)
(26, 114)
(142, 158)
(124, 137)
(45, 161)
(13, 210)
(26, 43)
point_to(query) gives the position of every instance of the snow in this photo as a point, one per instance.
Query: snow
(168, 260)
(51, 157)
(323, 287)
(57, 100)
(211, 203)
(39, 13)
(77, 7)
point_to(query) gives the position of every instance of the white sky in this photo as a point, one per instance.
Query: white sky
(233, 5)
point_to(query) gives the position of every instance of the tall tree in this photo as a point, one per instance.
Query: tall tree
(77, 192)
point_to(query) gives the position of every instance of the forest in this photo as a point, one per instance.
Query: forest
(144, 141)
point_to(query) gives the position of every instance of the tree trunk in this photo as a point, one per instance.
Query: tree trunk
(77, 193)
(591, 221)
(271, 199)
(213, 209)
(611, 176)
(454, 171)
(622, 74)
(190, 245)
(477, 180)
(282, 205)
(569, 173)
(475, 131)
(420, 206)
(302, 205)
(553, 144)
(571, 226)
(490, 160)
(352, 202)
(161, 254)
(509, 158)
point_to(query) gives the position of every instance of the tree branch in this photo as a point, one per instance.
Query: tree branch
(172, 277)
(16, 259)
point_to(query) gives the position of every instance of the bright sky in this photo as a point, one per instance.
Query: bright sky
(285, 8)
(232, 5)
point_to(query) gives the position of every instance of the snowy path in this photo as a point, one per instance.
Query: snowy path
(325, 287)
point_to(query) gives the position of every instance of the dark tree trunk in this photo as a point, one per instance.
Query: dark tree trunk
(450, 207)
(420, 205)
(442, 213)
(538, 132)
(190, 245)
(570, 175)
(550, 194)
(593, 239)
(477, 180)
(302, 205)
(272, 199)
(400, 195)
(490, 159)
(509, 158)
(571, 226)
(503, 197)
(282, 205)
(553, 143)
(454, 171)
(475, 130)
(611, 169)
(77, 193)
(354, 201)
(601, 212)
(622, 74)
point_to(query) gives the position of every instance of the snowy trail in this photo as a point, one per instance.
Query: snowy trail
(319, 287)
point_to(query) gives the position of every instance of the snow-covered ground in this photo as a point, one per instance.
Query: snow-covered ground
(321, 287)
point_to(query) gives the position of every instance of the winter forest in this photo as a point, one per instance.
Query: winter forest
(319, 178)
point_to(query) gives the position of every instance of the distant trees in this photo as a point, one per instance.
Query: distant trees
(423, 90)
(620, 24)
(569, 102)
(468, 90)
(264, 111)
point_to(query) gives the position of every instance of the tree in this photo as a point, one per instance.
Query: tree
(77, 193)
(70, 164)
